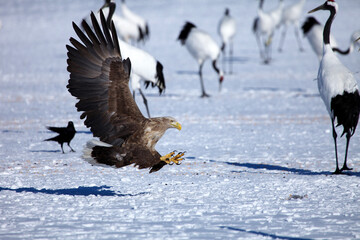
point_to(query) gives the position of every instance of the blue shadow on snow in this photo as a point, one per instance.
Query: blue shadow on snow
(79, 191)
(286, 169)
(273, 236)
(45, 151)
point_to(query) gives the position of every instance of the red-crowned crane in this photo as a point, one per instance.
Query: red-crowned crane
(136, 19)
(127, 31)
(338, 88)
(291, 16)
(202, 47)
(227, 31)
(263, 27)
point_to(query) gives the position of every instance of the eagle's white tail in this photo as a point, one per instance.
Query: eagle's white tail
(89, 148)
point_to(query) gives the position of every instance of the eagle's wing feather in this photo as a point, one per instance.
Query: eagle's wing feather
(99, 78)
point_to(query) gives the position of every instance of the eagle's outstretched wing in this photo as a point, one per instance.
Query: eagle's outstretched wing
(99, 78)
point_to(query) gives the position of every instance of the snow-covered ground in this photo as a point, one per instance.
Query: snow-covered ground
(259, 155)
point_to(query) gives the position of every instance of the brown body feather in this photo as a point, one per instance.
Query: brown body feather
(99, 78)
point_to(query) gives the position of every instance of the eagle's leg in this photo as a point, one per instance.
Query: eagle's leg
(171, 159)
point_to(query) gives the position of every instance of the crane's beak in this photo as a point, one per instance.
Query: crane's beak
(321, 7)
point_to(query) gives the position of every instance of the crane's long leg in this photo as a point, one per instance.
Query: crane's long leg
(224, 59)
(345, 167)
(223, 50)
(269, 53)
(301, 49)
(282, 39)
(337, 171)
(145, 102)
(268, 45)
(204, 94)
(258, 40)
(231, 55)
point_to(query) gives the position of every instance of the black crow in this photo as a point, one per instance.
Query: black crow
(66, 134)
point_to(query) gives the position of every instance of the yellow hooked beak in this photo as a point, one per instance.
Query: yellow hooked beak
(321, 7)
(176, 125)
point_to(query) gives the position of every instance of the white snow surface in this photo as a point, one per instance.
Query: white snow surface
(259, 155)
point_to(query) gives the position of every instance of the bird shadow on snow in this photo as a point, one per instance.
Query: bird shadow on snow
(236, 59)
(11, 131)
(298, 92)
(45, 151)
(187, 72)
(103, 191)
(163, 95)
(263, 234)
(77, 132)
(285, 169)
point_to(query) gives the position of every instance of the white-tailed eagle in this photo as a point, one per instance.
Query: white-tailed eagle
(99, 78)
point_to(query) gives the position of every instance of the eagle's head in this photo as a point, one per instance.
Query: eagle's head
(172, 123)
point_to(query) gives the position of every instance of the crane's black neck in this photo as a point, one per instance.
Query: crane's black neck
(343, 52)
(326, 33)
(215, 67)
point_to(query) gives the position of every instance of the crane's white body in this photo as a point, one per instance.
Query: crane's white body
(264, 28)
(143, 65)
(292, 13)
(291, 16)
(334, 78)
(227, 29)
(133, 17)
(276, 14)
(266, 25)
(202, 46)
(127, 30)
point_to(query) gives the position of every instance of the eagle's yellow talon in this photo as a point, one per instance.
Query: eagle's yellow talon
(166, 157)
(171, 159)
